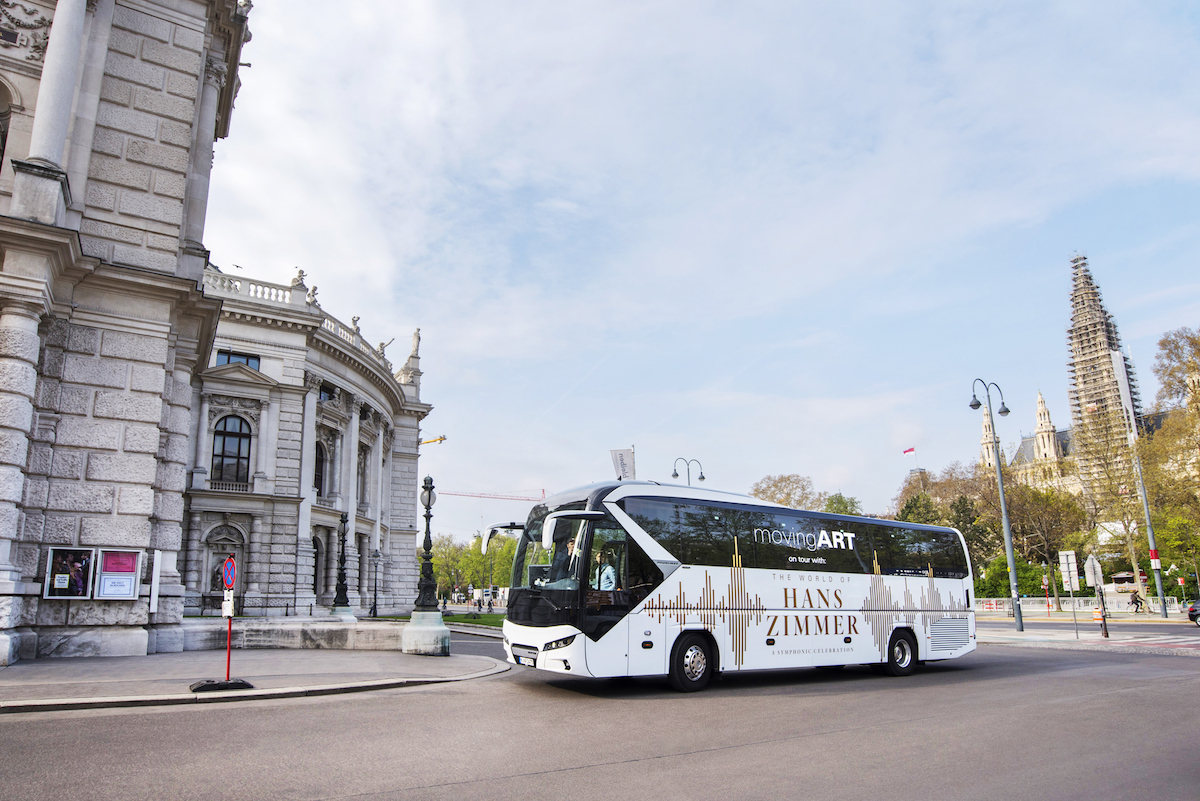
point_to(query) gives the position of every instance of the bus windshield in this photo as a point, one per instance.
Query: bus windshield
(557, 569)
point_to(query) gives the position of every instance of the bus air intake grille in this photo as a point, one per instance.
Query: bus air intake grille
(949, 634)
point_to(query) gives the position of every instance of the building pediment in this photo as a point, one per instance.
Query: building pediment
(240, 374)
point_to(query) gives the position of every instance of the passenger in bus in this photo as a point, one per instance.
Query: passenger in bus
(606, 576)
(564, 555)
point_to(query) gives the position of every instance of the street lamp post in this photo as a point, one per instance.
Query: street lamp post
(375, 557)
(1155, 564)
(687, 463)
(1008, 544)
(427, 587)
(426, 632)
(341, 596)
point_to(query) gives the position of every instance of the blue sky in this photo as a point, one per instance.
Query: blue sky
(774, 237)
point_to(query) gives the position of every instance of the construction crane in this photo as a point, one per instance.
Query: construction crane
(532, 495)
(442, 438)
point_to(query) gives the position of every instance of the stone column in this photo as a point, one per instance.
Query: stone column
(200, 471)
(331, 554)
(308, 460)
(256, 569)
(18, 381)
(334, 482)
(168, 513)
(193, 568)
(40, 190)
(264, 446)
(201, 166)
(202, 161)
(350, 465)
(379, 496)
(273, 442)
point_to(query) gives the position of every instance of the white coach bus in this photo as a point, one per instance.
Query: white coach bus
(642, 579)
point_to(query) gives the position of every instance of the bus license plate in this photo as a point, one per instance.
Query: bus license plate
(526, 660)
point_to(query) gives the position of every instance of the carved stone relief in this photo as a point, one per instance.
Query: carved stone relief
(24, 27)
(221, 405)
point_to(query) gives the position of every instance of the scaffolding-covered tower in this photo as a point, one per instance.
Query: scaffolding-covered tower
(1102, 380)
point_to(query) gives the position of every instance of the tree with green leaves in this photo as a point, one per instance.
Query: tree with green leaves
(839, 504)
(792, 490)
(1042, 520)
(1111, 495)
(920, 508)
(984, 541)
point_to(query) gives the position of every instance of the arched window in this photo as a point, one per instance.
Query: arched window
(231, 450)
(319, 470)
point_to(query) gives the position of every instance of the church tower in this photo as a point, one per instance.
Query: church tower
(987, 454)
(1045, 445)
(1101, 376)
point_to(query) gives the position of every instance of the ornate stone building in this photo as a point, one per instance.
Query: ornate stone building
(300, 420)
(1101, 381)
(1046, 460)
(108, 114)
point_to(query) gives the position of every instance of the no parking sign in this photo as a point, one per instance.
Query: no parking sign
(228, 577)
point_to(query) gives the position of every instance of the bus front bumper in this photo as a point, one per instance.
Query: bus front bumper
(556, 648)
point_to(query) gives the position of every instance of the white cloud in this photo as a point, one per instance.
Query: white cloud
(679, 188)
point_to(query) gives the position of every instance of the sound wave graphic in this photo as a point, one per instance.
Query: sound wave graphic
(735, 606)
(882, 612)
(881, 609)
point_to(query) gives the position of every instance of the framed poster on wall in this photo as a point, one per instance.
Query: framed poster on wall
(118, 574)
(69, 573)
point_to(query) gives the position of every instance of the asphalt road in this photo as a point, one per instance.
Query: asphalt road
(1003, 723)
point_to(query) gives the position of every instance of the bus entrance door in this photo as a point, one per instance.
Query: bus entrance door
(647, 645)
(605, 625)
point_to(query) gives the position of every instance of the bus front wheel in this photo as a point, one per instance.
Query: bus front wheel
(691, 663)
(902, 654)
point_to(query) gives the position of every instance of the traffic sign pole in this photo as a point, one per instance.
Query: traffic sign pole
(1071, 578)
(228, 577)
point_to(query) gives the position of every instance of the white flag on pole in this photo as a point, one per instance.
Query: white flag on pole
(623, 464)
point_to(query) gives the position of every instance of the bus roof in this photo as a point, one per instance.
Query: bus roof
(594, 494)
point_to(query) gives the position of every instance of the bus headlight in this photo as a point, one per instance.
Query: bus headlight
(563, 643)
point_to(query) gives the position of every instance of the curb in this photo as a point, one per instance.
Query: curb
(177, 699)
(1110, 647)
(475, 628)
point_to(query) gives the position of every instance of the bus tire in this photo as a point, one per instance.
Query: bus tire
(692, 663)
(902, 654)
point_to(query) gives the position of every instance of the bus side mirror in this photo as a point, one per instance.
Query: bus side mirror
(552, 520)
(496, 528)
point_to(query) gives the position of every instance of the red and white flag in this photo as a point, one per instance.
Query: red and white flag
(910, 450)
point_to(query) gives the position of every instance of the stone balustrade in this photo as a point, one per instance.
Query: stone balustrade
(220, 284)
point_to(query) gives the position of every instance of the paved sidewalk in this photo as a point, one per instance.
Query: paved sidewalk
(164, 679)
(1157, 636)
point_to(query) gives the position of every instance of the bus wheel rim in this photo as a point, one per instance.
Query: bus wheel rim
(694, 663)
(901, 654)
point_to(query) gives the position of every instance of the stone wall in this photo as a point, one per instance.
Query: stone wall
(144, 131)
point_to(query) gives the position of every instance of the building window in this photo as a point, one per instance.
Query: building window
(231, 451)
(327, 393)
(231, 357)
(319, 470)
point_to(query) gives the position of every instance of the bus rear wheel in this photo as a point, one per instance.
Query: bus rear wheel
(902, 654)
(691, 663)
